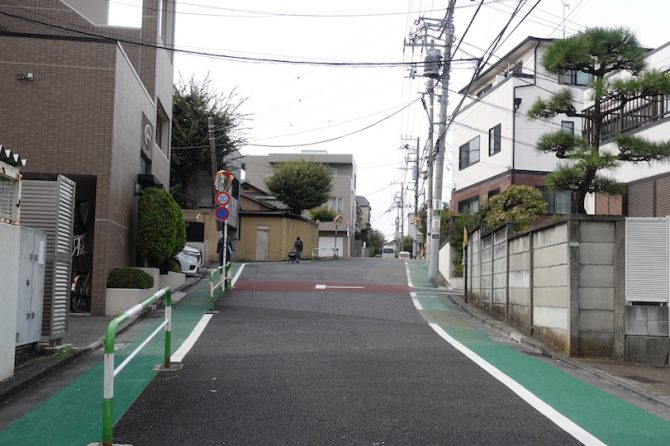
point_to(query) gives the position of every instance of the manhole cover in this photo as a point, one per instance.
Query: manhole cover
(642, 379)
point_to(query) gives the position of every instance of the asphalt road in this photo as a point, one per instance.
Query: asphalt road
(328, 353)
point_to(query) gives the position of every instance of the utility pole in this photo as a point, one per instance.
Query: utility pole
(212, 152)
(415, 245)
(429, 167)
(439, 147)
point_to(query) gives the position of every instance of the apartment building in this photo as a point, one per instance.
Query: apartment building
(494, 141)
(332, 236)
(80, 103)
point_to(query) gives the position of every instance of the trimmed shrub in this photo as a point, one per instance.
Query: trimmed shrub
(129, 278)
(173, 265)
(161, 230)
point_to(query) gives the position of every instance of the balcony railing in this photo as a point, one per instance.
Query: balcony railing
(635, 114)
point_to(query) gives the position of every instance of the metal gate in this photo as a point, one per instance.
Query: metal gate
(49, 206)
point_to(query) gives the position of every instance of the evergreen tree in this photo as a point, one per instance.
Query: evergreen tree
(600, 53)
(300, 184)
(193, 102)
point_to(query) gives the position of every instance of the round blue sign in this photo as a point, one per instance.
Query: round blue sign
(222, 213)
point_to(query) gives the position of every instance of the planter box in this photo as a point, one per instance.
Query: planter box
(120, 299)
(172, 280)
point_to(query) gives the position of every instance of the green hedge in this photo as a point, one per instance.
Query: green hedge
(161, 230)
(129, 278)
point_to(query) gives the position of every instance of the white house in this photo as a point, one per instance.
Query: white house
(494, 141)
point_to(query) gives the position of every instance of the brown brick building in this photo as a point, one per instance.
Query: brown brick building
(92, 102)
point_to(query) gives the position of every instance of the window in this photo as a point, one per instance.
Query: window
(568, 126)
(332, 170)
(336, 204)
(145, 164)
(572, 77)
(493, 193)
(162, 18)
(468, 153)
(469, 206)
(559, 201)
(162, 128)
(516, 69)
(494, 140)
(484, 90)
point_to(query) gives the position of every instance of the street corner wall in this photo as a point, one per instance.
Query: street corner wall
(9, 265)
(597, 302)
(551, 285)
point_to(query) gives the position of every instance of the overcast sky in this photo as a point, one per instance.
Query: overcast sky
(295, 106)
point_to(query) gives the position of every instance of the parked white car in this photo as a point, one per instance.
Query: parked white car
(190, 259)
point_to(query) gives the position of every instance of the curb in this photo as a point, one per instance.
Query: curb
(539, 347)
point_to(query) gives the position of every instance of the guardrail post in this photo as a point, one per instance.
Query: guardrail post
(211, 289)
(109, 369)
(168, 329)
(229, 279)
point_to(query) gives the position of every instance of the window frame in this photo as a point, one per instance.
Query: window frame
(495, 139)
(570, 128)
(470, 152)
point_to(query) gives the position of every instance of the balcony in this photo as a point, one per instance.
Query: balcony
(635, 114)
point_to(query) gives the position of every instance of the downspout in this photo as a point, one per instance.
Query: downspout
(515, 107)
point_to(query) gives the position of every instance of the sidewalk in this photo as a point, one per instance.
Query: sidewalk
(66, 408)
(85, 334)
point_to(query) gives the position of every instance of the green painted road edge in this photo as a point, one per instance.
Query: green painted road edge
(73, 416)
(612, 420)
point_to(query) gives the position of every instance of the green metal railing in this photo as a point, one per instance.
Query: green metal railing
(224, 283)
(110, 371)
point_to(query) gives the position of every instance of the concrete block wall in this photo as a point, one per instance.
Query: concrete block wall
(486, 256)
(474, 266)
(550, 285)
(597, 303)
(520, 275)
(499, 273)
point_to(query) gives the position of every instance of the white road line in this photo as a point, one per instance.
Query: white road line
(417, 304)
(545, 409)
(409, 277)
(189, 342)
(339, 287)
(237, 275)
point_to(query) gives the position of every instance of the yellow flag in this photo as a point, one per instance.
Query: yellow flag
(465, 236)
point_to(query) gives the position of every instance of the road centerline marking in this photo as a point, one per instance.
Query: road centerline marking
(338, 287)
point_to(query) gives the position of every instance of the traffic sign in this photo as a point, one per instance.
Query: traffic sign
(222, 198)
(223, 180)
(222, 213)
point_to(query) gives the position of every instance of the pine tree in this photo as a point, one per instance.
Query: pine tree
(600, 53)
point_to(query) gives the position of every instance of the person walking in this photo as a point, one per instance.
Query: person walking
(229, 249)
(297, 247)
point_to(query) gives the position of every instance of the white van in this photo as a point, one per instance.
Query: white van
(388, 252)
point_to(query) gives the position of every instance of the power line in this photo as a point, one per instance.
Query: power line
(337, 137)
(275, 14)
(246, 59)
